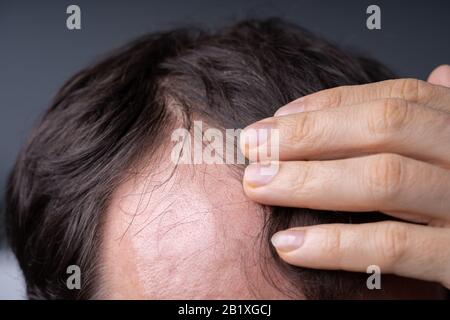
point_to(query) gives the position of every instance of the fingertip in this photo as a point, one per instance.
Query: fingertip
(257, 175)
(296, 106)
(440, 76)
(288, 240)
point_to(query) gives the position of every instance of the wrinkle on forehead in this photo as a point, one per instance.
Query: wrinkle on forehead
(184, 232)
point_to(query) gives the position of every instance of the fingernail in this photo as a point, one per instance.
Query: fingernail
(258, 174)
(288, 240)
(291, 108)
(256, 134)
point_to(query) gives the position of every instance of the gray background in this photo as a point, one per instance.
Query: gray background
(37, 52)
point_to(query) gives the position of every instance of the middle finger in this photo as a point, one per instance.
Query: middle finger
(389, 183)
(380, 126)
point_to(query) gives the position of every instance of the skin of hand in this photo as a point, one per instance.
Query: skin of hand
(382, 147)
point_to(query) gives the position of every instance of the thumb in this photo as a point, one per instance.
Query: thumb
(440, 76)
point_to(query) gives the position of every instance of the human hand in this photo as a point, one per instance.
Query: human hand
(377, 147)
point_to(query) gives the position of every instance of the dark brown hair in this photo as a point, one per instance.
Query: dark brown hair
(106, 116)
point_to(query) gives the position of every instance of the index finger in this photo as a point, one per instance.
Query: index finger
(412, 90)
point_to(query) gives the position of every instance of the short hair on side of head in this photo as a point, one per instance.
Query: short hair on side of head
(111, 114)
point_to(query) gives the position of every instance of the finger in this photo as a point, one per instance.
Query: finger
(403, 249)
(384, 182)
(378, 126)
(440, 76)
(412, 90)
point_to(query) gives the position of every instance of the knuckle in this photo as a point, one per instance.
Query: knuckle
(392, 241)
(300, 129)
(332, 244)
(334, 97)
(327, 98)
(413, 90)
(385, 174)
(389, 116)
(409, 89)
(301, 182)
